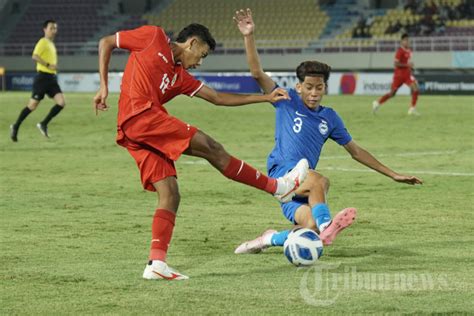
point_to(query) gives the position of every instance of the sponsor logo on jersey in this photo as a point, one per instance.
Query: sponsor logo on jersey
(163, 57)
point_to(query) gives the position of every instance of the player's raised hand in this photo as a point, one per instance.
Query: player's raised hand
(244, 21)
(407, 179)
(100, 99)
(277, 95)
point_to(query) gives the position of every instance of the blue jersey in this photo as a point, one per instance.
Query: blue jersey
(301, 132)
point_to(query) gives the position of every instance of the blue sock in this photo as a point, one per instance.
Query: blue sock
(278, 239)
(321, 214)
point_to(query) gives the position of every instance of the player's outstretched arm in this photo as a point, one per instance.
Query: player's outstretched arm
(365, 158)
(231, 99)
(246, 26)
(106, 45)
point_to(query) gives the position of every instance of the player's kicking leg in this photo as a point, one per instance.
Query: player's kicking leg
(282, 188)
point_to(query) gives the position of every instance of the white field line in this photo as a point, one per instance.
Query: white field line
(260, 163)
(429, 172)
(408, 154)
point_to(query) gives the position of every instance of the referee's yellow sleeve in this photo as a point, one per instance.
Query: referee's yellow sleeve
(39, 47)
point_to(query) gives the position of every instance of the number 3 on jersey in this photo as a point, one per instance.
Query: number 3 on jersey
(164, 83)
(298, 124)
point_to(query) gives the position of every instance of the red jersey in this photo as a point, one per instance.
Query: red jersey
(403, 56)
(151, 76)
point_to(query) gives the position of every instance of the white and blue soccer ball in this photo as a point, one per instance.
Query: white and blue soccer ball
(303, 247)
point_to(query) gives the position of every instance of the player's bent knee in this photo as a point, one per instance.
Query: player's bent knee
(33, 105)
(169, 201)
(216, 147)
(325, 182)
(320, 180)
(217, 153)
(310, 223)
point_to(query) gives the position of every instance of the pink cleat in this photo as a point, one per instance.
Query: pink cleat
(255, 246)
(343, 219)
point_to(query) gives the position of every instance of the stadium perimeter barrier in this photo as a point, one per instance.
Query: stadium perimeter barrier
(357, 83)
(233, 47)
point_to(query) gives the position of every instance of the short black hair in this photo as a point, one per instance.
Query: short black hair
(197, 30)
(45, 23)
(313, 69)
(404, 35)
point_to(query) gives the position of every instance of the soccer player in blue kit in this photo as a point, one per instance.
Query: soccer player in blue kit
(302, 127)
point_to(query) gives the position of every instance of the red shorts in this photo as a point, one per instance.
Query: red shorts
(398, 80)
(155, 140)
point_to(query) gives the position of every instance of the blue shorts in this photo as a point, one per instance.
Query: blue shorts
(289, 208)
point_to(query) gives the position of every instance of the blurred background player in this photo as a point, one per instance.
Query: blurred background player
(302, 128)
(45, 81)
(155, 73)
(402, 75)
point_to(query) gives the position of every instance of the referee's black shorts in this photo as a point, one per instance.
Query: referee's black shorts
(45, 83)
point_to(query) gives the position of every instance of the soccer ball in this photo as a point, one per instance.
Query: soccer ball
(303, 247)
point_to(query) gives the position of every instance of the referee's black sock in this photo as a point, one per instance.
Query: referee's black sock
(54, 111)
(23, 114)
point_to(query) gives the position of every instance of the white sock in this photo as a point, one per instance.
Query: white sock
(281, 186)
(267, 239)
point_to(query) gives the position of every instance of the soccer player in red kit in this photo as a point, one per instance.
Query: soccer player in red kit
(155, 73)
(402, 75)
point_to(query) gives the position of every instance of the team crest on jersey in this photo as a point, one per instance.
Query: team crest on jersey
(323, 127)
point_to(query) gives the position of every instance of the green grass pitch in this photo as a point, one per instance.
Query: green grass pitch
(75, 222)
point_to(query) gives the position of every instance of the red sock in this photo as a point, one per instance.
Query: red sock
(161, 232)
(384, 98)
(414, 98)
(239, 171)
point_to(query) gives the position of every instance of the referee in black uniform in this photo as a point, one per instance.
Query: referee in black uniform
(45, 81)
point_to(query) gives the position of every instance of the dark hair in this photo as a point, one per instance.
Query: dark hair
(313, 69)
(45, 23)
(404, 35)
(197, 30)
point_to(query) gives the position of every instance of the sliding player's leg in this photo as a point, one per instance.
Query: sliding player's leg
(310, 210)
